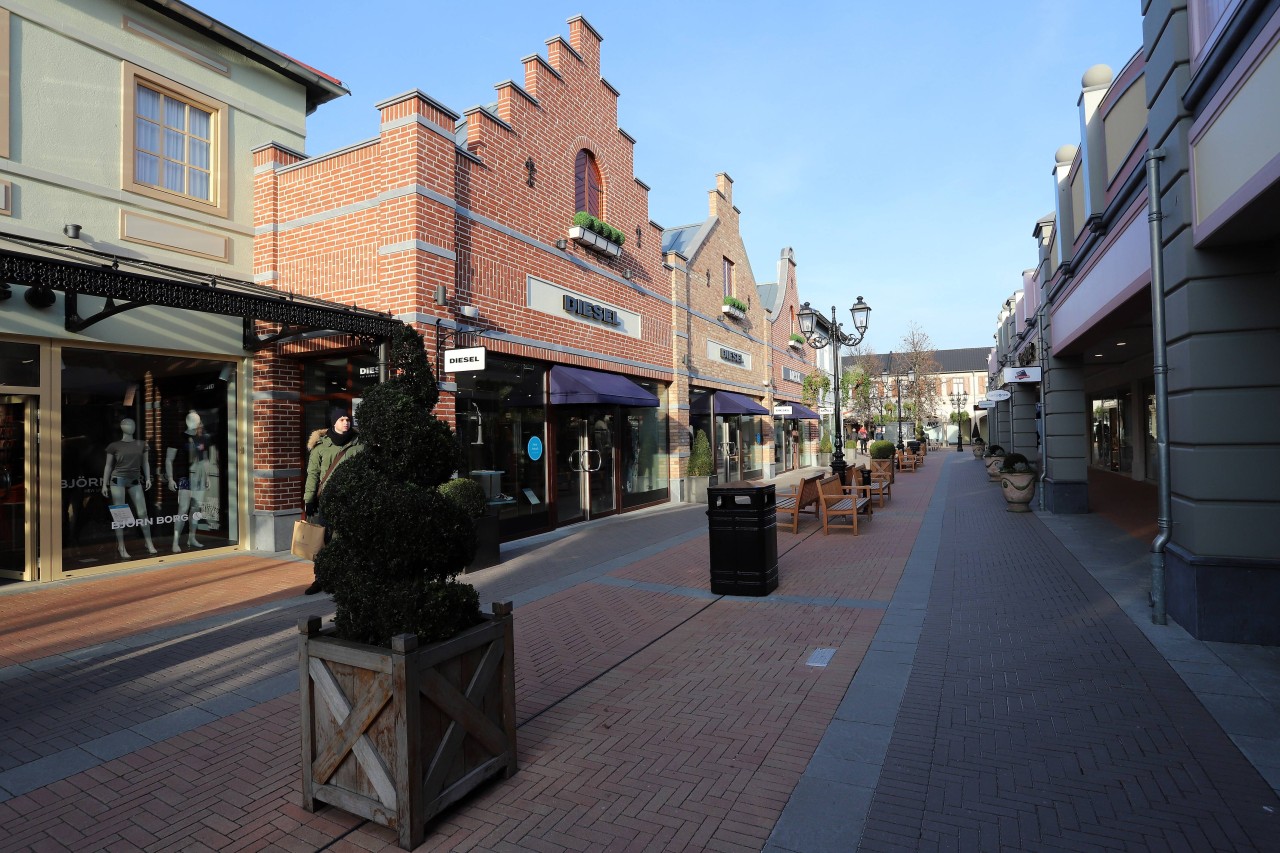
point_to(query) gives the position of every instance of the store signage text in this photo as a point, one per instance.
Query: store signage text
(792, 375)
(781, 411)
(463, 360)
(998, 395)
(732, 356)
(591, 310)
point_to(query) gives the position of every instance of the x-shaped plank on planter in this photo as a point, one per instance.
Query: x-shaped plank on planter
(350, 733)
(465, 715)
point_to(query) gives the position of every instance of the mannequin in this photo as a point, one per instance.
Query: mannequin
(128, 473)
(186, 468)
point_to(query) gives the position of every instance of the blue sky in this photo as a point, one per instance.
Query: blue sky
(902, 149)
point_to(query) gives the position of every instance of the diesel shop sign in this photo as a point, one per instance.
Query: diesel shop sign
(728, 355)
(567, 305)
(463, 360)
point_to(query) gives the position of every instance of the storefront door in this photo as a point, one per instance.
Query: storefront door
(586, 442)
(730, 449)
(18, 493)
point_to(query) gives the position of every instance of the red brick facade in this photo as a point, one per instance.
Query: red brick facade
(388, 223)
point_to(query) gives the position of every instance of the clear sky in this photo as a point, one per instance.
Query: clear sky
(904, 150)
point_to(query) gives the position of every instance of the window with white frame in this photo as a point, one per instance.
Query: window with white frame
(174, 142)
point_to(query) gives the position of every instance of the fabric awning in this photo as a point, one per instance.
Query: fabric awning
(572, 386)
(802, 413)
(728, 403)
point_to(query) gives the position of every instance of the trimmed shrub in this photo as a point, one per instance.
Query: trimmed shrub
(824, 444)
(398, 542)
(467, 494)
(880, 449)
(1015, 463)
(700, 464)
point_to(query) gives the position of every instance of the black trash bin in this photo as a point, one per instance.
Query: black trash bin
(742, 521)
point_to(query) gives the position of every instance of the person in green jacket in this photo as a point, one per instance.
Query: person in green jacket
(329, 449)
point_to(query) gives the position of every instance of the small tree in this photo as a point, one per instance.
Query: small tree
(398, 543)
(700, 456)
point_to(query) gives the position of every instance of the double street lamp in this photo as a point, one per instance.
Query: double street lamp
(835, 334)
(897, 381)
(959, 400)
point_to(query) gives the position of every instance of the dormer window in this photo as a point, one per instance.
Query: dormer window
(588, 187)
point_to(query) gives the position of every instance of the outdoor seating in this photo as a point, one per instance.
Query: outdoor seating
(906, 461)
(843, 501)
(881, 487)
(802, 498)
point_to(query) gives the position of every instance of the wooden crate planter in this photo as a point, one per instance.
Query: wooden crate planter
(397, 735)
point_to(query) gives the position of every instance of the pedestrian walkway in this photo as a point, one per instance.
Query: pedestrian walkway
(953, 677)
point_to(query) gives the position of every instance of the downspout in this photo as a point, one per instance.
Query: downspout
(1164, 516)
(1044, 411)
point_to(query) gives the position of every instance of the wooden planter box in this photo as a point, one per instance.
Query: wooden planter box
(883, 466)
(397, 735)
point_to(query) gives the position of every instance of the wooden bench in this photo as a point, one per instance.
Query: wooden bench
(843, 501)
(803, 498)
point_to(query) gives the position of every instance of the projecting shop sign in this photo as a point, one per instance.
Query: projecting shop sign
(463, 360)
(1022, 374)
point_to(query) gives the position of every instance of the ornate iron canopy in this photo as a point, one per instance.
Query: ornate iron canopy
(125, 290)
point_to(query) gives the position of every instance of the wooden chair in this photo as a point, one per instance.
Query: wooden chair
(803, 498)
(906, 461)
(847, 501)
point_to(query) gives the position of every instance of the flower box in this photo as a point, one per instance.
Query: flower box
(796, 345)
(593, 241)
(736, 313)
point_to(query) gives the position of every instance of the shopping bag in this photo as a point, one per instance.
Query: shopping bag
(308, 539)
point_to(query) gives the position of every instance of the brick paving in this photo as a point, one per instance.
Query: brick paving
(157, 711)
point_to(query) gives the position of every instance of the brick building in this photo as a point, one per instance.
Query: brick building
(464, 226)
(796, 427)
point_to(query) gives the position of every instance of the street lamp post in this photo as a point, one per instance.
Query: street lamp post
(808, 318)
(897, 381)
(959, 399)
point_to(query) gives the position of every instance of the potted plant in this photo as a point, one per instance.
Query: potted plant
(595, 234)
(796, 342)
(701, 467)
(993, 458)
(1018, 482)
(469, 495)
(408, 699)
(734, 307)
(881, 453)
(824, 451)
(979, 446)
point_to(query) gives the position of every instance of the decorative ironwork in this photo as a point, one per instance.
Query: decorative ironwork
(531, 169)
(126, 290)
(461, 338)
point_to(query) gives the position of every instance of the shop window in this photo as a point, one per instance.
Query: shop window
(588, 186)
(645, 457)
(175, 142)
(148, 456)
(19, 365)
(333, 385)
(502, 430)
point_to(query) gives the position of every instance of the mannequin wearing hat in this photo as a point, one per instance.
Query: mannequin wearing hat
(128, 475)
(186, 468)
(331, 448)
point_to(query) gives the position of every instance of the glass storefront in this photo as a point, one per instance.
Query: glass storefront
(148, 452)
(645, 455)
(331, 385)
(1111, 447)
(501, 425)
(737, 440)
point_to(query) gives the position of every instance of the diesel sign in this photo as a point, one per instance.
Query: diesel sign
(464, 360)
(591, 310)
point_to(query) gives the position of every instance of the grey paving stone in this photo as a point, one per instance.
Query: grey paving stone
(116, 744)
(871, 702)
(174, 723)
(47, 770)
(822, 816)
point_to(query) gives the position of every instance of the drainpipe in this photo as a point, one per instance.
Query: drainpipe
(1164, 516)
(1044, 411)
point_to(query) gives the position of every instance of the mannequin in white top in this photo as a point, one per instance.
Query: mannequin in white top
(186, 469)
(128, 474)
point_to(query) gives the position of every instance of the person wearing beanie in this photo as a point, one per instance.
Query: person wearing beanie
(333, 446)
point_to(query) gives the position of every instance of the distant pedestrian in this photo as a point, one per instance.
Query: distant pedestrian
(862, 440)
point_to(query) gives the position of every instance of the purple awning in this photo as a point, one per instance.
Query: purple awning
(728, 403)
(577, 386)
(802, 413)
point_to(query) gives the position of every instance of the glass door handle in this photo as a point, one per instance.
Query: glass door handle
(599, 460)
(575, 460)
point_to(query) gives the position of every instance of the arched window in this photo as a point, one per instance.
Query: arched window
(589, 189)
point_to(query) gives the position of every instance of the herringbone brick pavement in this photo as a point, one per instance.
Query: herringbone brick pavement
(1038, 717)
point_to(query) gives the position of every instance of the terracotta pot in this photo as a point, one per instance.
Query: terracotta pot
(993, 464)
(1018, 490)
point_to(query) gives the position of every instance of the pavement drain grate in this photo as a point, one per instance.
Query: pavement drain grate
(820, 657)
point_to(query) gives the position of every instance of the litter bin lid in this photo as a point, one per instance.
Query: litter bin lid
(741, 486)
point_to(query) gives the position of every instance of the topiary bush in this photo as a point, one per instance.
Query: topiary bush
(824, 444)
(1015, 463)
(700, 464)
(398, 542)
(466, 493)
(880, 449)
